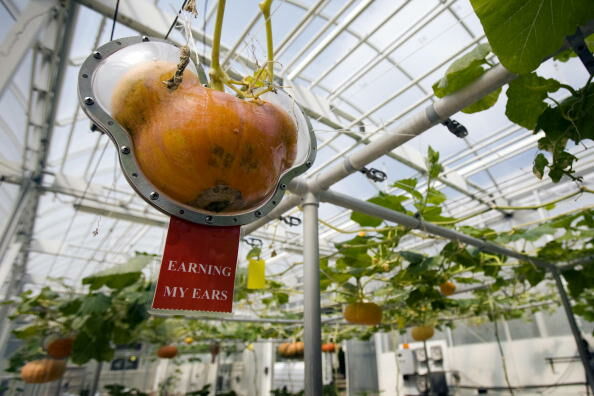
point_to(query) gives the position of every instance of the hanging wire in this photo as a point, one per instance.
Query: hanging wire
(115, 17)
(175, 20)
(204, 22)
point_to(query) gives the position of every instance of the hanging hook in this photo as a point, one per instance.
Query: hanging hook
(290, 220)
(455, 127)
(375, 175)
(253, 242)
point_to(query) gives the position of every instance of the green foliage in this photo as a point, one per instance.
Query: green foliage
(121, 275)
(523, 33)
(370, 266)
(465, 71)
(570, 120)
(526, 98)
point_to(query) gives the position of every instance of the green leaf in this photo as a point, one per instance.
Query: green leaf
(540, 162)
(412, 257)
(365, 220)
(526, 98)
(98, 347)
(29, 331)
(576, 282)
(409, 186)
(533, 274)
(434, 168)
(119, 276)
(70, 307)
(393, 202)
(95, 304)
(435, 197)
(463, 71)
(524, 32)
(281, 298)
(254, 253)
(484, 103)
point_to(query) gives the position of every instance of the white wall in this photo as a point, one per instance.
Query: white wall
(480, 364)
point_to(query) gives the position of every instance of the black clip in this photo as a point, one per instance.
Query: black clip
(253, 242)
(290, 220)
(578, 45)
(456, 128)
(375, 175)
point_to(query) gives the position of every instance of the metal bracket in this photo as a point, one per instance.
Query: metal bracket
(253, 242)
(132, 171)
(455, 127)
(578, 45)
(290, 220)
(375, 175)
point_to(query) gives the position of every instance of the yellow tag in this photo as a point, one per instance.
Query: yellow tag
(256, 279)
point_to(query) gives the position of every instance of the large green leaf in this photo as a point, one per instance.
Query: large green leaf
(95, 304)
(484, 103)
(463, 71)
(409, 185)
(523, 33)
(365, 220)
(526, 98)
(393, 202)
(119, 276)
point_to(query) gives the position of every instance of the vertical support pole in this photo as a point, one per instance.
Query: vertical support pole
(96, 378)
(581, 346)
(312, 311)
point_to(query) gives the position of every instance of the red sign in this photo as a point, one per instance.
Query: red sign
(198, 268)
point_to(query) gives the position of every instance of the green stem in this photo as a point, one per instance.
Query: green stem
(216, 72)
(569, 88)
(265, 8)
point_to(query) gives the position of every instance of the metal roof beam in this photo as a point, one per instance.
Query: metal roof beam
(22, 36)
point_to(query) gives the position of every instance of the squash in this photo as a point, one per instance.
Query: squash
(44, 370)
(329, 347)
(291, 349)
(167, 352)
(363, 313)
(188, 340)
(202, 147)
(422, 333)
(447, 288)
(283, 348)
(60, 348)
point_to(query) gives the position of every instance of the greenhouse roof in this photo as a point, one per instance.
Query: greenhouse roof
(360, 69)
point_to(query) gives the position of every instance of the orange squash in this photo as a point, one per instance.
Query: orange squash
(299, 348)
(167, 352)
(422, 333)
(329, 347)
(283, 348)
(202, 147)
(60, 348)
(447, 288)
(363, 313)
(44, 370)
